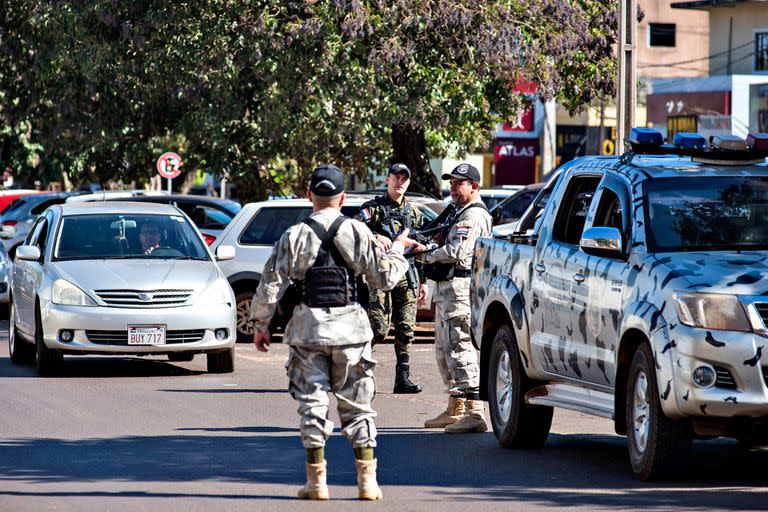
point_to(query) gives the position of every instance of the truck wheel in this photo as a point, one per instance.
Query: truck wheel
(47, 361)
(656, 443)
(245, 328)
(20, 351)
(516, 424)
(181, 357)
(222, 362)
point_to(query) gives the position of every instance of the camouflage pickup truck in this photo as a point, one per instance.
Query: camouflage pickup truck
(635, 288)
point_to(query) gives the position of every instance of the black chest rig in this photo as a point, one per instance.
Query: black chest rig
(392, 220)
(440, 272)
(331, 282)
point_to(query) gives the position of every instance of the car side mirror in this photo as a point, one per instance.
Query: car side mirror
(602, 241)
(225, 252)
(28, 252)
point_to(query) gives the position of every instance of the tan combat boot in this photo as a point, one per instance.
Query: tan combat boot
(472, 421)
(316, 487)
(451, 415)
(367, 487)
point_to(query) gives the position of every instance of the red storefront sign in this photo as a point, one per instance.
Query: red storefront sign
(515, 160)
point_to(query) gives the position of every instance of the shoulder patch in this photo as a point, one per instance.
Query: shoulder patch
(463, 230)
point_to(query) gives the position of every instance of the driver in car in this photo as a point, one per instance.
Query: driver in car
(149, 237)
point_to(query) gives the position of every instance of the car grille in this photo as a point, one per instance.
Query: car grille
(724, 378)
(151, 298)
(121, 337)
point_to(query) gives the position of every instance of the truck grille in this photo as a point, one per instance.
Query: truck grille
(724, 378)
(144, 298)
(121, 337)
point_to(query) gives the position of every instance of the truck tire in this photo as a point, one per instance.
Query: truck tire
(221, 362)
(656, 443)
(516, 424)
(245, 329)
(20, 351)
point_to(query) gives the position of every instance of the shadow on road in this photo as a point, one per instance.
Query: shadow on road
(227, 390)
(86, 366)
(573, 470)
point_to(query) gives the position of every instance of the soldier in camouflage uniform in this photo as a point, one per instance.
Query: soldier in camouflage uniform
(330, 348)
(387, 215)
(456, 357)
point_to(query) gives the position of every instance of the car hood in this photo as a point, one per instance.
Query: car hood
(732, 272)
(138, 274)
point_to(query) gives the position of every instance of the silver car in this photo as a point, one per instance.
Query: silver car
(119, 278)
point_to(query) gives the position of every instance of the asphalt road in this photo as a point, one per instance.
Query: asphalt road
(143, 434)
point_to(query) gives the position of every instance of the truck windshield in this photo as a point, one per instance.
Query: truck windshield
(706, 214)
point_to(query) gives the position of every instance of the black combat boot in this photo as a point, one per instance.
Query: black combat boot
(403, 382)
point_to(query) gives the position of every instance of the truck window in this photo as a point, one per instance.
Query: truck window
(609, 212)
(572, 214)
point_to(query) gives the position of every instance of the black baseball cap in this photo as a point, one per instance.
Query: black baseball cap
(327, 180)
(399, 169)
(464, 172)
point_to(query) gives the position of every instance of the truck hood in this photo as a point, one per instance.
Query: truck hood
(731, 272)
(138, 274)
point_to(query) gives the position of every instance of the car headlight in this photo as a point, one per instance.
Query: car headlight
(67, 294)
(712, 311)
(217, 293)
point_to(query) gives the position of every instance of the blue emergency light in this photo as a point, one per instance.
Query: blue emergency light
(646, 137)
(687, 140)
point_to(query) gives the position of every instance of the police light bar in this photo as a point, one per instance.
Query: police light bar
(686, 140)
(646, 137)
(758, 141)
(729, 143)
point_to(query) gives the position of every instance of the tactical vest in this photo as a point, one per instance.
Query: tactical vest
(439, 272)
(331, 282)
(394, 219)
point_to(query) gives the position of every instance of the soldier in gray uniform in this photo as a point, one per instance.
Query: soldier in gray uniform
(450, 265)
(386, 216)
(325, 258)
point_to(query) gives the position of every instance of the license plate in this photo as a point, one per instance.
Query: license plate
(146, 335)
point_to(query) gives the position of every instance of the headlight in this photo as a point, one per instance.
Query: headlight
(712, 311)
(217, 293)
(67, 294)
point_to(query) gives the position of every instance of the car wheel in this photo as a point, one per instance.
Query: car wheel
(245, 328)
(47, 361)
(181, 357)
(222, 362)
(656, 443)
(20, 351)
(516, 424)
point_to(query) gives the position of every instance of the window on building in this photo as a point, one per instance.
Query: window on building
(661, 34)
(761, 51)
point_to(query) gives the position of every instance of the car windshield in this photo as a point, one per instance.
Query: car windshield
(122, 236)
(705, 214)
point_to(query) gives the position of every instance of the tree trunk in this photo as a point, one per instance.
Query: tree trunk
(410, 148)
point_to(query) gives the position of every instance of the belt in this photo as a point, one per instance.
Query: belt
(457, 272)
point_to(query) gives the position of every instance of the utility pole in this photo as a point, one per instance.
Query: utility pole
(626, 99)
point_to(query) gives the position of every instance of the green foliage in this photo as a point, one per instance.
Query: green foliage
(250, 88)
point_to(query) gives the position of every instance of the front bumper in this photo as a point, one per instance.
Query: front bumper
(193, 328)
(741, 362)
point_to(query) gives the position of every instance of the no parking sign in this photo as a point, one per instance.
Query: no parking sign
(169, 166)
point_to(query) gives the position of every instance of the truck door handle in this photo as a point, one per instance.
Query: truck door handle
(578, 277)
(540, 268)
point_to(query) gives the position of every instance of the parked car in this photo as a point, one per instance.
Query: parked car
(210, 214)
(119, 278)
(10, 195)
(634, 289)
(108, 195)
(18, 218)
(254, 231)
(511, 208)
(6, 267)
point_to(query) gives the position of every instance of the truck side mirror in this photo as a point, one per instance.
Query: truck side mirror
(602, 241)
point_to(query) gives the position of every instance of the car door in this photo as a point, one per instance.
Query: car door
(559, 294)
(26, 275)
(605, 284)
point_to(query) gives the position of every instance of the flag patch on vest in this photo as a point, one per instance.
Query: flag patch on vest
(463, 230)
(365, 215)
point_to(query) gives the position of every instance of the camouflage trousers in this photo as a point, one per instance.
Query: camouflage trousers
(398, 306)
(456, 356)
(347, 372)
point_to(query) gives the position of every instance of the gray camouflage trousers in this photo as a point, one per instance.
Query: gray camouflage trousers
(456, 356)
(347, 372)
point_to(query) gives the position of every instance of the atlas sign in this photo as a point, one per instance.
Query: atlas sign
(169, 165)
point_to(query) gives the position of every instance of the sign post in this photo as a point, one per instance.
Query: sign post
(169, 166)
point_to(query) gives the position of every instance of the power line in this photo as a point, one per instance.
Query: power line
(691, 61)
